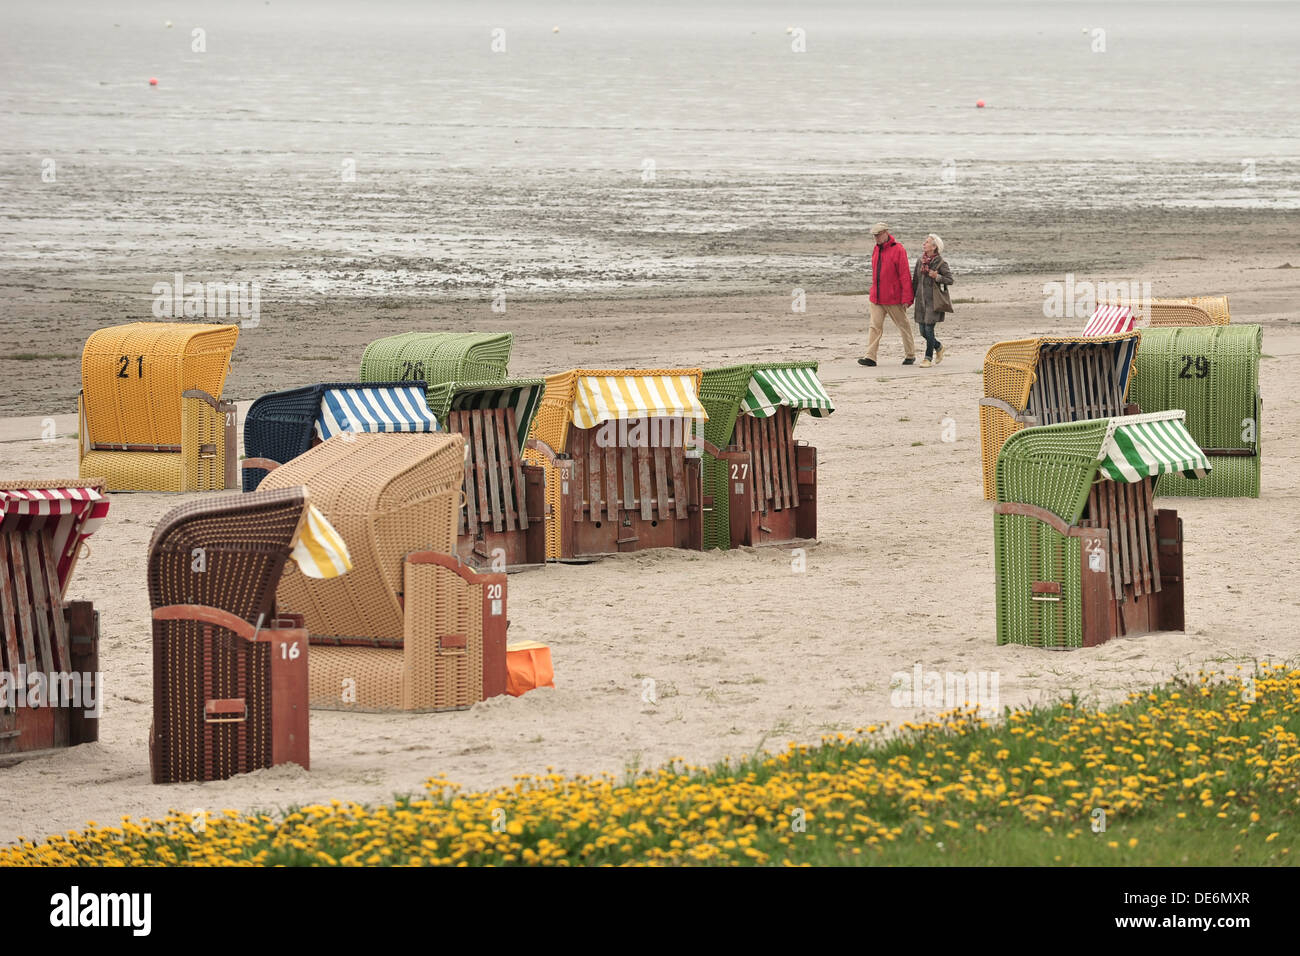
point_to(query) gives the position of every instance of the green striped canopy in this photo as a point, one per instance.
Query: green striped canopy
(799, 388)
(1144, 446)
(523, 395)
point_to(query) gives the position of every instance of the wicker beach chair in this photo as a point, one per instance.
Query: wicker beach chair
(410, 628)
(762, 482)
(280, 426)
(43, 525)
(1192, 310)
(1213, 374)
(615, 443)
(1049, 380)
(1080, 551)
(438, 357)
(230, 672)
(151, 418)
(502, 519)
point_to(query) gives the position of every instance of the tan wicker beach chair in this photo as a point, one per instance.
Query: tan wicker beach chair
(410, 628)
(1193, 310)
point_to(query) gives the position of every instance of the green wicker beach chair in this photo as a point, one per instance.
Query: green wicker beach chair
(438, 357)
(1080, 551)
(763, 483)
(1212, 373)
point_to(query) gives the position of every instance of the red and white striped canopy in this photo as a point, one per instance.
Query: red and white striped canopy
(1110, 320)
(71, 513)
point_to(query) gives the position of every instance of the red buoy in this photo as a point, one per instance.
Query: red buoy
(979, 104)
(153, 81)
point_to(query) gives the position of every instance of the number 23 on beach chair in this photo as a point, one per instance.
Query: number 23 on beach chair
(151, 418)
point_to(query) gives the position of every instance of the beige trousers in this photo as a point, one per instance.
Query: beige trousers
(899, 314)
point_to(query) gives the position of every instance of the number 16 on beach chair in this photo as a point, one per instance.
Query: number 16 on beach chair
(622, 461)
(43, 525)
(230, 670)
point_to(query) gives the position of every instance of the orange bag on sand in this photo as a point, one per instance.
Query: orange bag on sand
(528, 665)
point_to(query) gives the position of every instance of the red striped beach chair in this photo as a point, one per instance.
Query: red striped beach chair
(1110, 320)
(42, 527)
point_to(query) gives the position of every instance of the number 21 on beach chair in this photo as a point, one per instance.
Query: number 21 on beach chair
(150, 409)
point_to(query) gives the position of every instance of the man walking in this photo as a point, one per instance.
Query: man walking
(891, 294)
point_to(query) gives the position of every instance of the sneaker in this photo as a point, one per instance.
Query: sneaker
(867, 361)
(938, 356)
(925, 363)
(910, 361)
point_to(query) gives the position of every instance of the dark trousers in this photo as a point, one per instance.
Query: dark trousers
(932, 344)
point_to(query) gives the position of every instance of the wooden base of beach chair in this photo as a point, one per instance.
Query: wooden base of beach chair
(617, 499)
(229, 697)
(41, 635)
(502, 520)
(772, 483)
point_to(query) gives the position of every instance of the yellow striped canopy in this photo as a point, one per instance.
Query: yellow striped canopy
(320, 551)
(599, 398)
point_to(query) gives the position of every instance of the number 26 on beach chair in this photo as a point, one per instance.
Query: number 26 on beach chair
(151, 418)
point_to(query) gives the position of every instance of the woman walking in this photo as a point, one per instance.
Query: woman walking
(930, 280)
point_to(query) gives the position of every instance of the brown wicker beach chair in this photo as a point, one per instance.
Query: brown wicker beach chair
(1192, 310)
(230, 674)
(42, 527)
(410, 628)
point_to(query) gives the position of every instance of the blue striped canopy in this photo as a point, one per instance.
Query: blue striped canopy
(374, 409)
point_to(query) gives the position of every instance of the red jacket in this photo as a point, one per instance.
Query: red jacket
(889, 263)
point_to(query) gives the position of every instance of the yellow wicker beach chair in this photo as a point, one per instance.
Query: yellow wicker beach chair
(410, 628)
(1050, 380)
(151, 418)
(1192, 310)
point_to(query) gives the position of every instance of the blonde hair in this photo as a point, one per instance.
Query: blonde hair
(938, 243)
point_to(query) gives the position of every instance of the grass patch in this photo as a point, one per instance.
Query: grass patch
(1201, 771)
(917, 444)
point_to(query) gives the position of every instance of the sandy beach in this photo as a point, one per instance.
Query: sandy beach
(745, 654)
